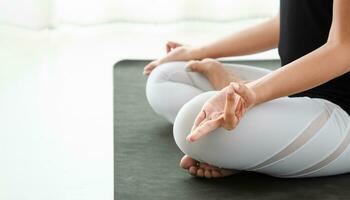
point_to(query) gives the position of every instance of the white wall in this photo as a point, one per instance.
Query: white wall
(38, 14)
(34, 14)
(93, 11)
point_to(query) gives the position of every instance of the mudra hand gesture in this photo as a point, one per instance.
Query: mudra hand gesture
(223, 110)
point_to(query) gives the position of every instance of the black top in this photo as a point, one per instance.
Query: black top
(304, 27)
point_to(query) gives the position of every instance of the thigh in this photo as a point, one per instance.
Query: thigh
(286, 137)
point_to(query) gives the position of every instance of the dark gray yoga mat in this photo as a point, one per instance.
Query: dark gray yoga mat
(146, 158)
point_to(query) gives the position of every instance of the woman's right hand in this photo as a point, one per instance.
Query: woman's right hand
(175, 52)
(225, 109)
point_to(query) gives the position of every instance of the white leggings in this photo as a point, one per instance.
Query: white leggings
(285, 137)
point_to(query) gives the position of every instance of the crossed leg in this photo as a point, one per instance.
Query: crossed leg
(286, 137)
(210, 76)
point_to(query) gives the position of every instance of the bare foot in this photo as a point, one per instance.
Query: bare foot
(205, 170)
(214, 71)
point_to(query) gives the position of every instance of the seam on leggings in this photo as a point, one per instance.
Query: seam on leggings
(189, 77)
(169, 79)
(340, 123)
(164, 77)
(330, 158)
(298, 142)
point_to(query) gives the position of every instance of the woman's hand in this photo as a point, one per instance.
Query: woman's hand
(224, 109)
(175, 52)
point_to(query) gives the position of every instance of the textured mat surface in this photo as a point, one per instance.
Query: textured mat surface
(147, 158)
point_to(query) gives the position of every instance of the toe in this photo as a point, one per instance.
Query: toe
(193, 170)
(200, 172)
(186, 162)
(204, 165)
(204, 169)
(207, 173)
(207, 166)
(226, 172)
(215, 174)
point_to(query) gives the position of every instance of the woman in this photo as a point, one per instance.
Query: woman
(291, 122)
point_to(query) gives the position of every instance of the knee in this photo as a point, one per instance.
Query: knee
(184, 122)
(164, 71)
(158, 85)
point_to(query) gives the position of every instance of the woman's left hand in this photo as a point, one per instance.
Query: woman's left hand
(223, 110)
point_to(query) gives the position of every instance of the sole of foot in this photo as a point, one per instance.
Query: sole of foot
(216, 73)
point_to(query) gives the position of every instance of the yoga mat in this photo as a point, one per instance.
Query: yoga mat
(146, 158)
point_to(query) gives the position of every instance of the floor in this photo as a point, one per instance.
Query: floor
(56, 132)
(146, 157)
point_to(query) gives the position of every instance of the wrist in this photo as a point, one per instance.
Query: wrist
(253, 86)
(199, 53)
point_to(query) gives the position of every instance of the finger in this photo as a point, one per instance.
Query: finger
(199, 119)
(148, 69)
(146, 72)
(168, 47)
(229, 110)
(204, 129)
(231, 124)
(172, 45)
(240, 108)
